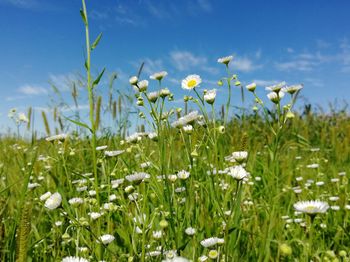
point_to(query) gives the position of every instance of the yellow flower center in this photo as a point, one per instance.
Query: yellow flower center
(192, 83)
(310, 208)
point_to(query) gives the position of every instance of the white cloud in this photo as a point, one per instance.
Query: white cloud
(32, 90)
(290, 50)
(185, 60)
(244, 64)
(260, 82)
(298, 65)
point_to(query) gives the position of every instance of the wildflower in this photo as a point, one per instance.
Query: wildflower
(240, 156)
(153, 136)
(186, 120)
(164, 92)
(209, 96)
(133, 80)
(54, 201)
(95, 215)
(276, 88)
(191, 81)
(22, 118)
(59, 137)
(212, 241)
(74, 259)
(142, 85)
(335, 208)
(221, 129)
(106, 239)
(187, 129)
(190, 231)
(183, 174)
(76, 201)
(137, 177)
(33, 185)
(285, 249)
(237, 172)
(114, 153)
(251, 87)
(213, 254)
(313, 166)
(45, 196)
(334, 198)
(172, 178)
(153, 96)
(275, 97)
(292, 89)
(159, 75)
(157, 234)
(311, 207)
(225, 60)
(202, 258)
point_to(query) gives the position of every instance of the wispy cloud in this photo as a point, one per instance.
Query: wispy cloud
(244, 64)
(186, 60)
(26, 4)
(32, 90)
(63, 82)
(296, 65)
(260, 82)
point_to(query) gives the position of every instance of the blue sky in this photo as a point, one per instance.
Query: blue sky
(299, 41)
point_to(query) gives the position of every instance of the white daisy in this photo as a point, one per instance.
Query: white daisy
(159, 75)
(311, 207)
(292, 89)
(74, 259)
(190, 231)
(54, 201)
(153, 96)
(137, 177)
(142, 85)
(106, 239)
(45, 196)
(237, 172)
(76, 201)
(276, 88)
(209, 96)
(240, 156)
(251, 87)
(133, 80)
(99, 148)
(225, 60)
(114, 153)
(183, 174)
(56, 137)
(212, 241)
(275, 97)
(191, 81)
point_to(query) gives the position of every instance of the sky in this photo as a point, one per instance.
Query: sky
(42, 43)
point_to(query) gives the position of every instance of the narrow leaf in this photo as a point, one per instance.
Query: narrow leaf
(95, 43)
(83, 16)
(97, 80)
(78, 123)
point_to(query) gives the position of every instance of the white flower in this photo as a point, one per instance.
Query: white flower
(251, 87)
(99, 148)
(275, 97)
(237, 172)
(133, 80)
(33, 185)
(276, 88)
(142, 85)
(153, 136)
(311, 207)
(137, 177)
(54, 201)
(292, 89)
(95, 215)
(212, 241)
(209, 96)
(22, 118)
(159, 75)
(186, 120)
(74, 259)
(164, 92)
(106, 239)
(183, 174)
(157, 234)
(153, 96)
(75, 201)
(313, 166)
(190, 231)
(114, 153)
(56, 137)
(176, 259)
(187, 129)
(240, 156)
(45, 196)
(225, 60)
(191, 82)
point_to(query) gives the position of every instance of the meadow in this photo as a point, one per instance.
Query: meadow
(199, 182)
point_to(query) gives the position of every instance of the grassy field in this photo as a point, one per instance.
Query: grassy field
(199, 185)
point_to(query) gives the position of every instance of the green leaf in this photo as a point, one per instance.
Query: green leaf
(97, 80)
(78, 123)
(95, 43)
(140, 70)
(83, 16)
